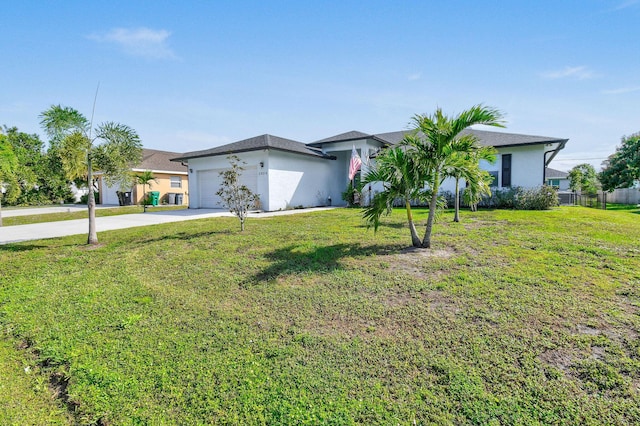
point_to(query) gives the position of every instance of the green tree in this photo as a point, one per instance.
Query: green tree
(396, 169)
(238, 198)
(112, 148)
(437, 140)
(8, 163)
(38, 178)
(622, 168)
(466, 166)
(145, 178)
(583, 178)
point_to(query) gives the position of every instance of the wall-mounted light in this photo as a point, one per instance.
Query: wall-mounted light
(190, 170)
(262, 164)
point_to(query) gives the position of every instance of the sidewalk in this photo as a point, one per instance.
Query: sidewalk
(38, 231)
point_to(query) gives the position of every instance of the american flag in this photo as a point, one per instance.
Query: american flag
(354, 164)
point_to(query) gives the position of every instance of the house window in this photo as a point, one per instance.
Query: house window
(176, 182)
(494, 181)
(554, 182)
(506, 170)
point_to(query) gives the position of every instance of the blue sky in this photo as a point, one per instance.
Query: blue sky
(193, 75)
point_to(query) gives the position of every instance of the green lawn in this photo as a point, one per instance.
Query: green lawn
(513, 318)
(56, 217)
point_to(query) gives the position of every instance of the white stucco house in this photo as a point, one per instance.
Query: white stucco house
(286, 173)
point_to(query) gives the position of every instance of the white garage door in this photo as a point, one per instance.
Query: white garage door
(209, 182)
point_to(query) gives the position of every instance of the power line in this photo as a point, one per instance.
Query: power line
(573, 159)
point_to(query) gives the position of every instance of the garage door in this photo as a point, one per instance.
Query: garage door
(209, 182)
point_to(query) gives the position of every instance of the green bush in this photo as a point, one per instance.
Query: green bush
(504, 198)
(85, 197)
(542, 198)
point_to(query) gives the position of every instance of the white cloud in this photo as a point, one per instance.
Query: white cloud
(580, 73)
(142, 41)
(626, 4)
(415, 76)
(621, 90)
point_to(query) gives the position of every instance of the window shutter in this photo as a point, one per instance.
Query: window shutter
(506, 170)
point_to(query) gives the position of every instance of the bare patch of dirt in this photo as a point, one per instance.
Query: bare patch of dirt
(89, 247)
(561, 359)
(412, 260)
(586, 329)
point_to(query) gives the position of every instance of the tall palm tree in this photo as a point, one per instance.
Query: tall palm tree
(145, 178)
(397, 170)
(436, 139)
(466, 165)
(8, 163)
(80, 151)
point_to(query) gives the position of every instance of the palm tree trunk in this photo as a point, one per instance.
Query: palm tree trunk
(415, 240)
(144, 198)
(456, 216)
(91, 205)
(426, 241)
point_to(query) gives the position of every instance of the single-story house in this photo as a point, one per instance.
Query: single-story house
(286, 173)
(557, 178)
(171, 179)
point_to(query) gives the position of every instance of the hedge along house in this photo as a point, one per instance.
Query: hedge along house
(287, 174)
(171, 178)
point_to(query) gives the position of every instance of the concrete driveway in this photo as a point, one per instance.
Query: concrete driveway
(38, 231)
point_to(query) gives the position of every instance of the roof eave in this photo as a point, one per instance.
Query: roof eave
(561, 145)
(238, 151)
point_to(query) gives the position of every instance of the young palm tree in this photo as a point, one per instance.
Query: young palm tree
(473, 194)
(73, 135)
(397, 170)
(466, 165)
(437, 139)
(145, 178)
(8, 163)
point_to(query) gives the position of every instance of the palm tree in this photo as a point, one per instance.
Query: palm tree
(466, 165)
(8, 163)
(397, 170)
(474, 193)
(74, 136)
(436, 139)
(145, 178)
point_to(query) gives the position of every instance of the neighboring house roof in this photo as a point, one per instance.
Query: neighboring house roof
(160, 161)
(256, 144)
(550, 173)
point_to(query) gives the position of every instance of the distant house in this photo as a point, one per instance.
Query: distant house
(172, 178)
(557, 178)
(286, 173)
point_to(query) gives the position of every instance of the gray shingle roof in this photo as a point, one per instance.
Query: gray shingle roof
(485, 137)
(347, 136)
(255, 144)
(550, 173)
(155, 160)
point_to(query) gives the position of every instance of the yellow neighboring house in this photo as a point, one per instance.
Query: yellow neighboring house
(172, 180)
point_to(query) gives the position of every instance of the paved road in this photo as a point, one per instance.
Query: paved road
(38, 231)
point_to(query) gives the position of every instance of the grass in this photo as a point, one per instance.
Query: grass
(513, 318)
(100, 212)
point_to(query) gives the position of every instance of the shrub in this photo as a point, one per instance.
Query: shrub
(352, 195)
(542, 198)
(85, 197)
(504, 198)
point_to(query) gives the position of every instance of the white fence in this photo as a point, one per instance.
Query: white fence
(624, 196)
